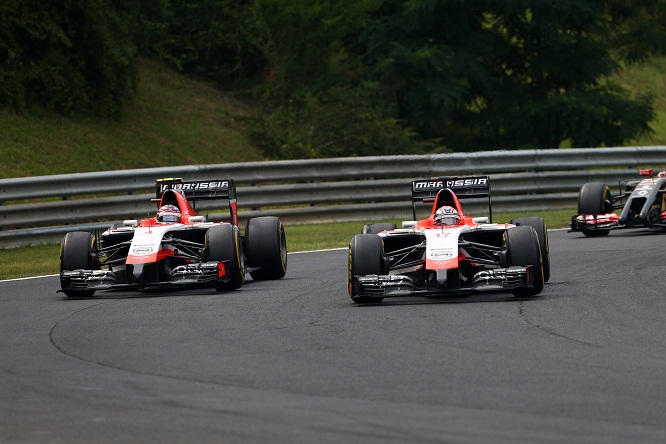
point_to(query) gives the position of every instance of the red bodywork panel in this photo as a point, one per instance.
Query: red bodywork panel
(149, 258)
(445, 197)
(452, 201)
(177, 199)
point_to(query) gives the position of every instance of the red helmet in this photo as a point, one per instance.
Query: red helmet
(168, 214)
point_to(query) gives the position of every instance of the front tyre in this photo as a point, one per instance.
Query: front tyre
(77, 252)
(366, 256)
(594, 198)
(594, 233)
(522, 245)
(223, 243)
(266, 247)
(539, 226)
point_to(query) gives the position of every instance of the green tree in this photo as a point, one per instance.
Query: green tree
(514, 73)
(306, 43)
(209, 38)
(320, 104)
(67, 56)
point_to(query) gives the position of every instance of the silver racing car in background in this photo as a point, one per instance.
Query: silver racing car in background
(640, 202)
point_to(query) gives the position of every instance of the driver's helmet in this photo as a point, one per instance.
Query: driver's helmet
(447, 216)
(168, 214)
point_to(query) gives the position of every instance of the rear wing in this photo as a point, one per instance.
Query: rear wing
(464, 187)
(200, 190)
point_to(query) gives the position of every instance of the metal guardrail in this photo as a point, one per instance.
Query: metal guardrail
(41, 209)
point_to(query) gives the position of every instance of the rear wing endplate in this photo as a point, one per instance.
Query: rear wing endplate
(464, 187)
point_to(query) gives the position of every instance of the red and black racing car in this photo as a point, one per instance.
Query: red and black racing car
(176, 248)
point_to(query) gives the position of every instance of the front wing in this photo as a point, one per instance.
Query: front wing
(183, 275)
(496, 279)
(607, 222)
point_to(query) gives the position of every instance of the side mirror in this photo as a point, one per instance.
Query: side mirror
(131, 223)
(197, 219)
(480, 220)
(646, 173)
(408, 223)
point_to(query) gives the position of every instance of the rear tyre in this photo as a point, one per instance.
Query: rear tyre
(366, 256)
(539, 226)
(522, 244)
(223, 243)
(77, 252)
(377, 228)
(266, 247)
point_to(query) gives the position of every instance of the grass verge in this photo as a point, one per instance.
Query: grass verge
(173, 120)
(44, 259)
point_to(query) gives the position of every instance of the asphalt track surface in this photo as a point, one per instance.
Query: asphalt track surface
(295, 361)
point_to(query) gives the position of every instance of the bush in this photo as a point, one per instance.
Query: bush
(343, 122)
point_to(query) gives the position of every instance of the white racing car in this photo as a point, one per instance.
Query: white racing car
(176, 248)
(448, 253)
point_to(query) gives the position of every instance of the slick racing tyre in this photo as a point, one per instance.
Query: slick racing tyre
(522, 244)
(366, 256)
(595, 233)
(594, 198)
(266, 248)
(539, 226)
(377, 228)
(223, 243)
(77, 252)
